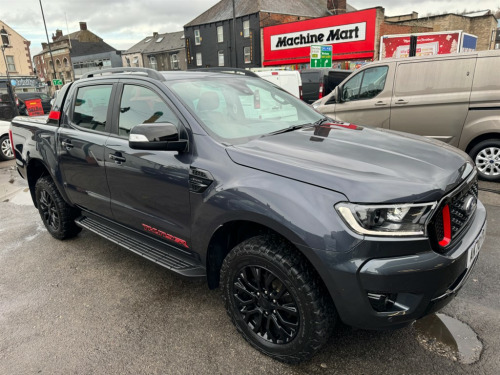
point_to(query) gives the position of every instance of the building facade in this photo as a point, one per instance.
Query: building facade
(71, 56)
(17, 60)
(216, 38)
(166, 52)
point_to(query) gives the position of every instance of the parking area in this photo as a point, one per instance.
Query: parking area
(86, 306)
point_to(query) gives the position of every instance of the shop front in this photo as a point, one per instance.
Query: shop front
(351, 35)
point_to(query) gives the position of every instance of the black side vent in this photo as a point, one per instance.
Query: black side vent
(199, 180)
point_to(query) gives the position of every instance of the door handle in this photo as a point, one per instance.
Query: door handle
(380, 103)
(117, 158)
(67, 144)
(401, 101)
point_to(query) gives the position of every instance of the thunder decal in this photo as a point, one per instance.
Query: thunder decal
(169, 237)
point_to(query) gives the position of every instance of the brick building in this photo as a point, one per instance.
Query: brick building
(74, 55)
(482, 24)
(211, 37)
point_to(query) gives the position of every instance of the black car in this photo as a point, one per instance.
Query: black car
(24, 96)
(299, 219)
(317, 83)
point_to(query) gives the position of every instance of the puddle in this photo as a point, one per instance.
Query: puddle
(449, 337)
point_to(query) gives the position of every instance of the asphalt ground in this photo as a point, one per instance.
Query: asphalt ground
(87, 306)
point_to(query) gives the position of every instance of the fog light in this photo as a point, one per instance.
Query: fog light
(382, 302)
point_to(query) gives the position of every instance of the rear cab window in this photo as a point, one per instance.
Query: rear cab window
(90, 108)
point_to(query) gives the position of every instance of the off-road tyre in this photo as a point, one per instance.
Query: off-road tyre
(486, 156)
(57, 216)
(285, 269)
(5, 148)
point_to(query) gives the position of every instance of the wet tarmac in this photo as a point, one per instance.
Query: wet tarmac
(449, 337)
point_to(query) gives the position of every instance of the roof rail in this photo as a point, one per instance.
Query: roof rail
(227, 70)
(151, 73)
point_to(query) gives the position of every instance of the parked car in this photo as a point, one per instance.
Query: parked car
(5, 148)
(24, 96)
(288, 80)
(317, 83)
(452, 98)
(300, 220)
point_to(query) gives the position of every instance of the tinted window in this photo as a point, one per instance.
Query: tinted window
(140, 105)
(91, 107)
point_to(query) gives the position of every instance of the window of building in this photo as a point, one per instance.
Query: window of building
(497, 46)
(198, 59)
(136, 61)
(221, 58)
(91, 107)
(128, 61)
(11, 66)
(159, 39)
(65, 62)
(174, 62)
(220, 34)
(246, 29)
(246, 52)
(68, 76)
(58, 64)
(197, 38)
(147, 40)
(140, 105)
(152, 63)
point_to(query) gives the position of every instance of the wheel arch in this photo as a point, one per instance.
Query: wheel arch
(480, 138)
(37, 168)
(231, 233)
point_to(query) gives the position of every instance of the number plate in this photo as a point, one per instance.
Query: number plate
(475, 247)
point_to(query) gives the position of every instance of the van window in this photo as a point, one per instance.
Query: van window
(434, 77)
(366, 84)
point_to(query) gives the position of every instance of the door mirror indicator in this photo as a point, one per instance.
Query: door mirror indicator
(156, 136)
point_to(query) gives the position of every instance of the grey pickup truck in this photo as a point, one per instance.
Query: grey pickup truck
(300, 220)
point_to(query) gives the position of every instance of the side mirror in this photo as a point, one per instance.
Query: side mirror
(333, 97)
(156, 136)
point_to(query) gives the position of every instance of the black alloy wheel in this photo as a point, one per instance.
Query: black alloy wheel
(48, 211)
(57, 216)
(276, 300)
(266, 305)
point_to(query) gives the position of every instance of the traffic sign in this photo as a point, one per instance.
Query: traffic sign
(57, 82)
(321, 56)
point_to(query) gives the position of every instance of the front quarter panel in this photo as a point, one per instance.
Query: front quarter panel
(302, 213)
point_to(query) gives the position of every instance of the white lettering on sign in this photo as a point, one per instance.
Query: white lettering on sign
(354, 32)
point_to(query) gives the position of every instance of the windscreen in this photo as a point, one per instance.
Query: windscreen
(239, 108)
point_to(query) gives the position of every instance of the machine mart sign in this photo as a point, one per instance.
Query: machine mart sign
(352, 34)
(331, 35)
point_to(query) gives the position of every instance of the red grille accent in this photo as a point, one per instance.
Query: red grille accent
(445, 241)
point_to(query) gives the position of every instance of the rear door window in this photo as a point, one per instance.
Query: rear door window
(90, 109)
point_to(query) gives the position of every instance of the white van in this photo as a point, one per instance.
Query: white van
(288, 80)
(454, 98)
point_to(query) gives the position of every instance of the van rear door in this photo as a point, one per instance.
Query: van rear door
(431, 97)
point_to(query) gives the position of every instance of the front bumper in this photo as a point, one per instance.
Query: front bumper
(391, 292)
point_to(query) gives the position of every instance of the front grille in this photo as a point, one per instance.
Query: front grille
(459, 216)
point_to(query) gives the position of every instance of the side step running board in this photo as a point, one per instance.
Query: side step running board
(168, 258)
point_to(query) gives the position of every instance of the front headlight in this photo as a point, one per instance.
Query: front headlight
(316, 104)
(386, 220)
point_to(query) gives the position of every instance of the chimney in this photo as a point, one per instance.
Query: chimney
(330, 6)
(340, 6)
(155, 34)
(83, 26)
(45, 46)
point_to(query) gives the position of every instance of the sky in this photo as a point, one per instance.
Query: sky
(123, 23)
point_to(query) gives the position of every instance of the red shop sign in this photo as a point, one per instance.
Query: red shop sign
(352, 36)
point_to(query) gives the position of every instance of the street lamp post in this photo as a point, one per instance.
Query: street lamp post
(5, 44)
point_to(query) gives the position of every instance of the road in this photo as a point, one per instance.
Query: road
(86, 306)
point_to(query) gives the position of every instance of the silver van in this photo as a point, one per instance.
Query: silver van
(452, 98)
